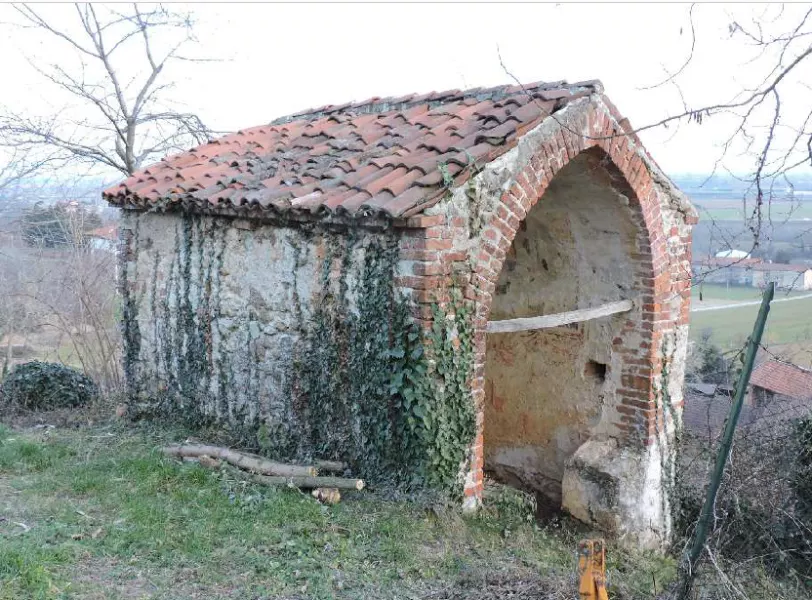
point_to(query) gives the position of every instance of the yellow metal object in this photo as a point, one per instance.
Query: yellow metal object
(592, 570)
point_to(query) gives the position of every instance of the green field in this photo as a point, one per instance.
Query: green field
(732, 211)
(788, 322)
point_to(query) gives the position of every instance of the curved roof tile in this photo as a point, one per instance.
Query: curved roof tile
(382, 156)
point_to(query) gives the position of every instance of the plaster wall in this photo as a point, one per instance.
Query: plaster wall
(548, 391)
(216, 308)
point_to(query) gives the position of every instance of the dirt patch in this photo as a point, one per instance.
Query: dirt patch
(104, 579)
(506, 585)
(100, 412)
(100, 579)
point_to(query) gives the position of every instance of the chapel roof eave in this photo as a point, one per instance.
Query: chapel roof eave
(382, 159)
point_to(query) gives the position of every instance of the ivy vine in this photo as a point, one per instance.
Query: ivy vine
(360, 381)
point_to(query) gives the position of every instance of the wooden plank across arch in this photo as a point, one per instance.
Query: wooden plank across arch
(559, 319)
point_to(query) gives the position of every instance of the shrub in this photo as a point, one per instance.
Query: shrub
(41, 385)
(762, 517)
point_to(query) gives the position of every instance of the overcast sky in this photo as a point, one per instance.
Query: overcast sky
(276, 59)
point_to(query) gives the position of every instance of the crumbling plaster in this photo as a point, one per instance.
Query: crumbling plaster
(248, 288)
(549, 391)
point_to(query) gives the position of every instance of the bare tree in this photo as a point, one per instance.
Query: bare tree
(125, 118)
(759, 128)
(60, 303)
(16, 167)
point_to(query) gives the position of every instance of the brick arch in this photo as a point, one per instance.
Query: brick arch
(600, 132)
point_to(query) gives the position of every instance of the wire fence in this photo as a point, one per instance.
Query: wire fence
(760, 545)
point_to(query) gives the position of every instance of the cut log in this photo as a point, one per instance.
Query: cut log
(327, 495)
(341, 483)
(244, 461)
(559, 319)
(331, 466)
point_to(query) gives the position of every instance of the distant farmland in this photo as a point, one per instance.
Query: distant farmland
(789, 322)
(732, 210)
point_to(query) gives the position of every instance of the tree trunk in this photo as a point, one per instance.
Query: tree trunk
(341, 483)
(254, 464)
(331, 466)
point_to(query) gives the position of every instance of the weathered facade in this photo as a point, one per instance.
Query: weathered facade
(323, 285)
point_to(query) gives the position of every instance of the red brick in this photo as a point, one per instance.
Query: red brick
(426, 244)
(421, 221)
(419, 254)
(514, 206)
(429, 268)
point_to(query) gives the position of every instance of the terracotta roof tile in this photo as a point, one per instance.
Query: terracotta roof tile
(783, 378)
(385, 157)
(705, 416)
(108, 232)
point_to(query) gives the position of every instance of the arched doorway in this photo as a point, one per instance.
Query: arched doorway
(577, 216)
(549, 390)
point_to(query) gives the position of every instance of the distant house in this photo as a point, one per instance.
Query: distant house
(752, 272)
(732, 254)
(779, 394)
(728, 271)
(104, 238)
(787, 277)
(778, 379)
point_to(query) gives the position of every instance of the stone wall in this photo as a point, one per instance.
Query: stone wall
(249, 325)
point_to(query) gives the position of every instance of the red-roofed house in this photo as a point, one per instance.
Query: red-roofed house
(778, 378)
(432, 286)
(727, 270)
(753, 272)
(787, 277)
(103, 238)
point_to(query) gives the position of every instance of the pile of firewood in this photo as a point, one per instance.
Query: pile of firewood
(325, 488)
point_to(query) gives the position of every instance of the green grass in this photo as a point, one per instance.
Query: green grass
(99, 513)
(788, 322)
(779, 212)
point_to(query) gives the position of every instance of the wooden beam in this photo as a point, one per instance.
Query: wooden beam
(559, 319)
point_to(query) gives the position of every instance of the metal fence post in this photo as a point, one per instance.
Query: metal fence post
(701, 532)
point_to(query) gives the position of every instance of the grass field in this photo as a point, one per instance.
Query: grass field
(97, 512)
(789, 322)
(732, 211)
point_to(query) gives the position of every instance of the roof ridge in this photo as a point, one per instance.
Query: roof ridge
(376, 105)
(791, 364)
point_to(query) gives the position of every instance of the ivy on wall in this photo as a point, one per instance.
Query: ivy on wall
(432, 391)
(361, 382)
(131, 333)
